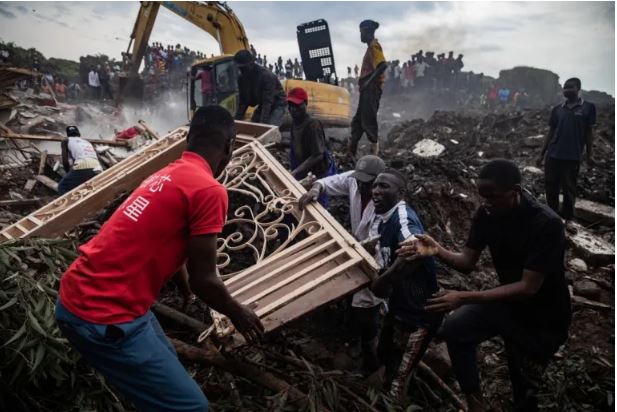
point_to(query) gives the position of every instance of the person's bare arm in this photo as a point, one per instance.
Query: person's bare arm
(376, 73)
(64, 147)
(307, 165)
(181, 280)
(382, 286)
(547, 140)
(241, 111)
(525, 288)
(206, 284)
(589, 146)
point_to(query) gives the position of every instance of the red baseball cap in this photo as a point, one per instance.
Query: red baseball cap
(297, 95)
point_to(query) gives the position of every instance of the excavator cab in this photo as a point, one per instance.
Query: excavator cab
(214, 81)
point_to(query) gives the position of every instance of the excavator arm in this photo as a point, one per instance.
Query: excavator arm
(215, 18)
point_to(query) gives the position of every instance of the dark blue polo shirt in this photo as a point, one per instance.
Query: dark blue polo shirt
(570, 126)
(410, 291)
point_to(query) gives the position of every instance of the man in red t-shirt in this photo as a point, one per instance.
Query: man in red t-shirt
(105, 295)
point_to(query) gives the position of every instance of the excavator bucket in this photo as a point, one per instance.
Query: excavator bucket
(316, 51)
(131, 88)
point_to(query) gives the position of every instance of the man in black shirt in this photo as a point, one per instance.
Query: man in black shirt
(570, 135)
(531, 308)
(308, 148)
(259, 87)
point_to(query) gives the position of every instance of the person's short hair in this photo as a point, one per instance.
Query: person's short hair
(369, 25)
(503, 172)
(397, 174)
(243, 57)
(72, 131)
(574, 80)
(209, 128)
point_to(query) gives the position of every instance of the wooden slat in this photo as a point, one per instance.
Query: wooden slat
(286, 252)
(307, 287)
(320, 212)
(296, 274)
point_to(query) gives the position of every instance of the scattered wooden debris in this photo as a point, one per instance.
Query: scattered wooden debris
(50, 183)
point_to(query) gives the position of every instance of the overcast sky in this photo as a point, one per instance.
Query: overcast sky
(569, 38)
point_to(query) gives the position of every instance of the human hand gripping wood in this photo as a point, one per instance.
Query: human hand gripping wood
(418, 246)
(248, 324)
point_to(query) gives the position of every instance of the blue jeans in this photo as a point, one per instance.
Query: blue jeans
(137, 359)
(73, 179)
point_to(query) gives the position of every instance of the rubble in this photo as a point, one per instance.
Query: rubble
(595, 250)
(594, 212)
(428, 148)
(578, 265)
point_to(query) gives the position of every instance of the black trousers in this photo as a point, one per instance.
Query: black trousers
(365, 119)
(527, 351)
(561, 175)
(74, 178)
(365, 324)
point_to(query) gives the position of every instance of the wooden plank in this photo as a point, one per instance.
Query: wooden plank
(20, 202)
(321, 213)
(50, 183)
(307, 287)
(150, 130)
(286, 252)
(293, 276)
(42, 162)
(344, 284)
(29, 185)
(42, 138)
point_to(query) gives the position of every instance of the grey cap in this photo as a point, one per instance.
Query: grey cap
(368, 167)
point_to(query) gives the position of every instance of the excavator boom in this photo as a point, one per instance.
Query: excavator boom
(328, 103)
(217, 19)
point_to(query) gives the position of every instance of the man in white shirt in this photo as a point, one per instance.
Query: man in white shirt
(357, 185)
(79, 160)
(420, 66)
(94, 83)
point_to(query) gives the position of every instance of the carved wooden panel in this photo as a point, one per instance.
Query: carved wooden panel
(295, 261)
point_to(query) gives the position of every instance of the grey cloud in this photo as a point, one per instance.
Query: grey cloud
(22, 9)
(5, 12)
(53, 20)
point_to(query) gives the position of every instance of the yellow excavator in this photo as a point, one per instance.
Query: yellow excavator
(327, 102)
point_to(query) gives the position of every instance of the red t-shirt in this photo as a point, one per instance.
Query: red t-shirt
(120, 271)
